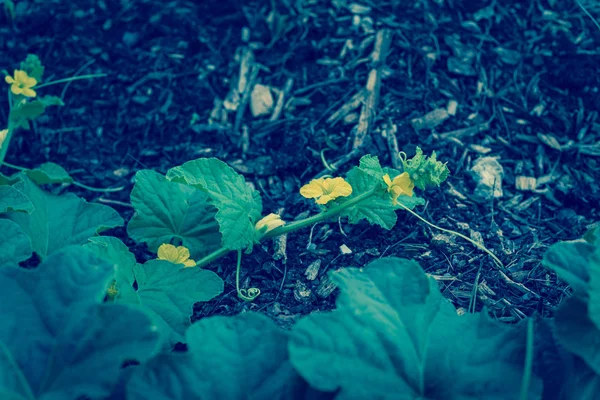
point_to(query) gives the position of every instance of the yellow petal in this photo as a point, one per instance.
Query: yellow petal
(20, 76)
(387, 180)
(16, 89)
(29, 92)
(269, 223)
(183, 254)
(312, 189)
(324, 199)
(189, 263)
(9, 79)
(30, 82)
(341, 188)
(167, 252)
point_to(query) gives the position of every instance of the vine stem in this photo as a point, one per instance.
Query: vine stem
(81, 185)
(468, 239)
(294, 226)
(73, 78)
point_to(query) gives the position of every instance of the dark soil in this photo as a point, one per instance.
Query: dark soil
(524, 74)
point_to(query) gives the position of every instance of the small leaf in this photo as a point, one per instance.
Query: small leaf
(378, 209)
(58, 221)
(12, 200)
(167, 210)
(51, 101)
(239, 205)
(426, 171)
(27, 110)
(248, 347)
(16, 245)
(49, 173)
(33, 66)
(169, 292)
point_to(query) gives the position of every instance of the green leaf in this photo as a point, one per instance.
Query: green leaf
(167, 210)
(51, 101)
(16, 245)
(394, 336)
(65, 344)
(27, 110)
(168, 292)
(13, 200)
(48, 173)
(33, 66)
(239, 205)
(581, 382)
(426, 171)
(58, 221)
(378, 209)
(248, 348)
(115, 252)
(577, 332)
(570, 261)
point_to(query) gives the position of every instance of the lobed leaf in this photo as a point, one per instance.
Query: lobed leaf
(168, 292)
(16, 245)
(249, 349)
(168, 210)
(56, 340)
(393, 336)
(58, 221)
(239, 205)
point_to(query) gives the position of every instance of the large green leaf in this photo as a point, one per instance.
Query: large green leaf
(378, 209)
(56, 340)
(393, 336)
(169, 292)
(16, 246)
(13, 200)
(581, 383)
(114, 251)
(241, 357)
(58, 221)
(577, 332)
(239, 204)
(167, 210)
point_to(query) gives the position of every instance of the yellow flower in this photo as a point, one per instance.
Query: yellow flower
(112, 290)
(401, 185)
(21, 83)
(176, 255)
(326, 189)
(3, 134)
(269, 223)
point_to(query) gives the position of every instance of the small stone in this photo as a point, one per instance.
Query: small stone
(487, 173)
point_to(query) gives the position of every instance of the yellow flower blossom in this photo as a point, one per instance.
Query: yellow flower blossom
(269, 223)
(326, 189)
(3, 134)
(176, 255)
(21, 83)
(112, 290)
(401, 185)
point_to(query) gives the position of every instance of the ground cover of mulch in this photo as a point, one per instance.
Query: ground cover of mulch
(486, 85)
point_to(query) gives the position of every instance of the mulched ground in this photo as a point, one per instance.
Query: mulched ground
(524, 76)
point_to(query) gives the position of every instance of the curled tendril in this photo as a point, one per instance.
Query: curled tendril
(249, 294)
(402, 156)
(245, 294)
